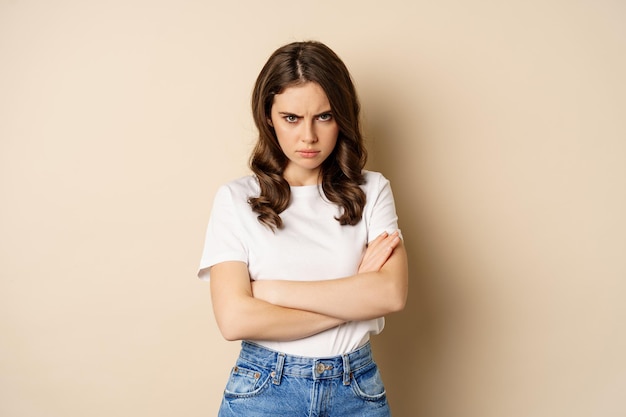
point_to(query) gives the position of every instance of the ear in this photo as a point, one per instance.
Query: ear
(269, 122)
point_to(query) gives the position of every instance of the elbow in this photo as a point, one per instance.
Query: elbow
(396, 277)
(232, 317)
(230, 328)
(396, 298)
(228, 333)
(398, 304)
(230, 337)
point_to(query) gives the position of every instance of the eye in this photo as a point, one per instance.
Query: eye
(290, 118)
(325, 117)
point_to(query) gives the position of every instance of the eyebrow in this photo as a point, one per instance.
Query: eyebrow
(286, 113)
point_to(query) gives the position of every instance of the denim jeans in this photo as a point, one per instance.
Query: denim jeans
(268, 383)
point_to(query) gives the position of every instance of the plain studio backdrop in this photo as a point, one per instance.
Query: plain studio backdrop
(501, 125)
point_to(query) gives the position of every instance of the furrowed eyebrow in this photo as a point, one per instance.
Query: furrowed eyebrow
(286, 113)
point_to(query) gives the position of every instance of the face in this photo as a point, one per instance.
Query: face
(306, 131)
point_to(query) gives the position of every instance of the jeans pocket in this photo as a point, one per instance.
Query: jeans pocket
(246, 381)
(368, 385)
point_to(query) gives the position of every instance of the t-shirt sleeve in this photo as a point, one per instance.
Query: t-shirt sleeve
(382, 215)
(223, 241)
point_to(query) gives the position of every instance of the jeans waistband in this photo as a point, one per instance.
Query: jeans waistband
(305, 367)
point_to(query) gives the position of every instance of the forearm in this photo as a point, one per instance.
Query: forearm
(359, 297)
(240, 316)
(254, 319)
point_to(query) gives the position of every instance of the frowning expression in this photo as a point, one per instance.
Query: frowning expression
(306, 131)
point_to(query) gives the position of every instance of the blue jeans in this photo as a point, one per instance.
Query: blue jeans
(269, 383)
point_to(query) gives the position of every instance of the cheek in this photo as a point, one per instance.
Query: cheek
(283, 136)
(333, 134)
(285, 141)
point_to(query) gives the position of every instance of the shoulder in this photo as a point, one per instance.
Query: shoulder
(373, 175)
(374, 181)
(244, 186)
(238, 190)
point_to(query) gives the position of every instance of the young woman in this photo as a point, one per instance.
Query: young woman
(304, 256)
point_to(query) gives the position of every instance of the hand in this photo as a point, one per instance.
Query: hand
(378, 251)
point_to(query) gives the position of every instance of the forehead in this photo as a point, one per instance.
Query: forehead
(302, 98)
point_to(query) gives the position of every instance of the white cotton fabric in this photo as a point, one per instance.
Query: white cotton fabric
(312, 245)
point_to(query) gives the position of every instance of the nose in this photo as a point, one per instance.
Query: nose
(309, 135)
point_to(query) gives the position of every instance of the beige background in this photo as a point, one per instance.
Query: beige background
(502, 126)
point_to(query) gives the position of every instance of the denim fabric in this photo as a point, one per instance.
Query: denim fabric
(264, 382)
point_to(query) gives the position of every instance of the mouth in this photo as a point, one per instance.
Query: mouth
(308, 153)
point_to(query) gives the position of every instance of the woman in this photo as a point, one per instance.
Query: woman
(304, 256)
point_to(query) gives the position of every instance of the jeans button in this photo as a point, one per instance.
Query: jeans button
(320, 368)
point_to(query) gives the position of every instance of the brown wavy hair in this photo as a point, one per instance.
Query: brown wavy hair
(342, 172)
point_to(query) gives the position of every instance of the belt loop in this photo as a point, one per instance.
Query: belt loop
(278, 373)
(346, 369)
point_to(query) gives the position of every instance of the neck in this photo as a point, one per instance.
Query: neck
(302, 179)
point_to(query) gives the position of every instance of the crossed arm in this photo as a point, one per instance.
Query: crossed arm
(289, 310)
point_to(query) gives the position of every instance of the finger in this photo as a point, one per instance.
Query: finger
(385, 241)
(384, 248)
(395, 241)
(378, 239)
(375, 259)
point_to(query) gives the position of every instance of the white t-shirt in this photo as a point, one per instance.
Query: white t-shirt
(312, 245)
